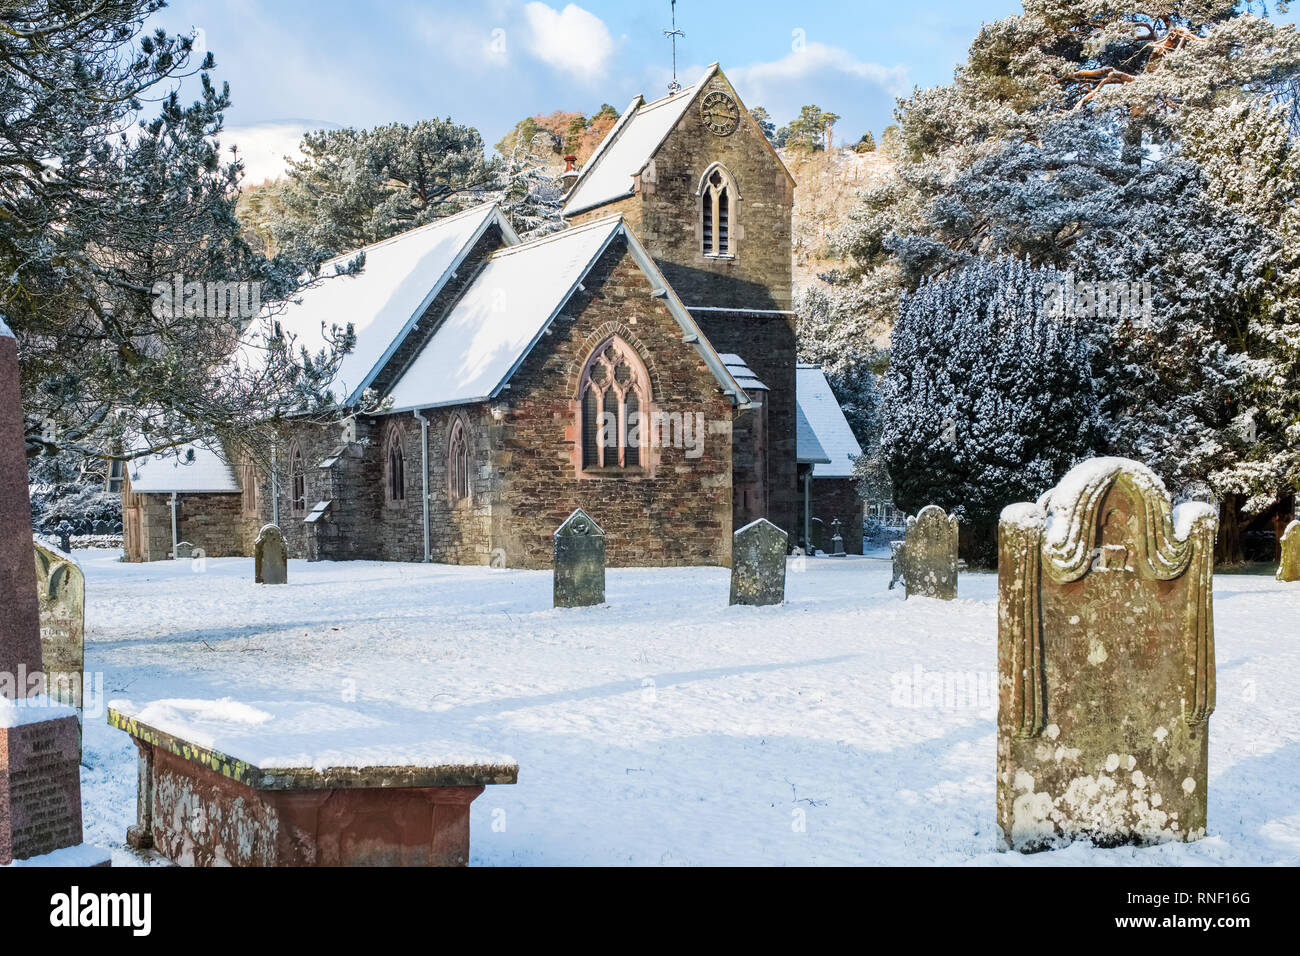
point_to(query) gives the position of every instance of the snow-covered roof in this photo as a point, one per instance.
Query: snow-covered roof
(401, 277)
(498, 319)
(808, 450)
(205, 472)
(821, 410)
(742, 373)
(628, 146)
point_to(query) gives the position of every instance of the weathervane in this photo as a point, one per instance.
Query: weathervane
(673, 34)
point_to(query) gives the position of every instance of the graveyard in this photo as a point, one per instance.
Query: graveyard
(847, 726)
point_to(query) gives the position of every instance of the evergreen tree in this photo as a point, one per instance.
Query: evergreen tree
(98, 206)
(989, 398)
(764, 121)
(353, 187)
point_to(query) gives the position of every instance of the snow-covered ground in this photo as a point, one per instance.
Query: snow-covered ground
(667, 727)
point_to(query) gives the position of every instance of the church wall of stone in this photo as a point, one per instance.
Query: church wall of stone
(767, 344)
(678, 514)
(833, 498)
(211, 522)
(459, 530)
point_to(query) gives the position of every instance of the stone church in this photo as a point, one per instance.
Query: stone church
(639, 363)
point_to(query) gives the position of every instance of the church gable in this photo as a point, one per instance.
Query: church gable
(509, 306)
(385, 302)
(614, 413)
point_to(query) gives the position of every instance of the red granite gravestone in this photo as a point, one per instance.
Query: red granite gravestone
(40, 777)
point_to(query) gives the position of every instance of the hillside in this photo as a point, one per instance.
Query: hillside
(827, 190)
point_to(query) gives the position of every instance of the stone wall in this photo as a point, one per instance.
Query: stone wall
(766, 341)
(665, 213)
(838, 498)
(679, 511)
(214, 522)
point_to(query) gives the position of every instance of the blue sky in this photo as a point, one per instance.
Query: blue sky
(293, 64)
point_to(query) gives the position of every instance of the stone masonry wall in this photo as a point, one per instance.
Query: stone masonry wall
(677, 513)
(767, 344)
(758, 273)
(838, 498)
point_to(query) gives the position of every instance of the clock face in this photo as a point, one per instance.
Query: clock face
(720, 113)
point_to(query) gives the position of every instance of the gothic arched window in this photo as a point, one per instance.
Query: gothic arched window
(614, 398)
(394, 469)
(717, 208)
(297, 481)
(248, 480)
(458, 462)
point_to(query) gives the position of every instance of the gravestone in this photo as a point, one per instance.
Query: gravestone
(61, 596)
(1289, 569)
(929, 555)
(758, 564)
(895, 563)
(837, 540)
(184, 551)
(64, 534)
(270, 557)
(579, 562)
(40, 779)
(1105, 662)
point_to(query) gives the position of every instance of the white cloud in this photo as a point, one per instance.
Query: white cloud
(831, 77)
(572, 40)
(263, 146)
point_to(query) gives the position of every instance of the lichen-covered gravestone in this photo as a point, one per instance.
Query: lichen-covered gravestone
(61, 593)
(1105, 662)
(579, 562)
(929, 555)
(1289, 569)
(184, 551)
(270, 557)
(758, 564)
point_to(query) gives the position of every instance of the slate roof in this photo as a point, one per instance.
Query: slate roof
(207, 472)
(628, 146)
(490, 330)
(820, 411)
(401, 277)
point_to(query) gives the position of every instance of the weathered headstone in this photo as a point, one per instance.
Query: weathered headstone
(1105, 662)
(579, 562)
(40, 779)
(758, 564)
(1289, 568)
(61, 595)
(184, 551)
(270, 557)
(64, 533)
(929, 555)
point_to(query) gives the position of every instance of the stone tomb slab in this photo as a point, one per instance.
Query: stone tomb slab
(1105, 662)
(579, 562)
(387, 794)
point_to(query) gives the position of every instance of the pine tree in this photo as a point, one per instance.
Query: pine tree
(99, 204)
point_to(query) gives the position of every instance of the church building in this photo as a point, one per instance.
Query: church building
(639, 364)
